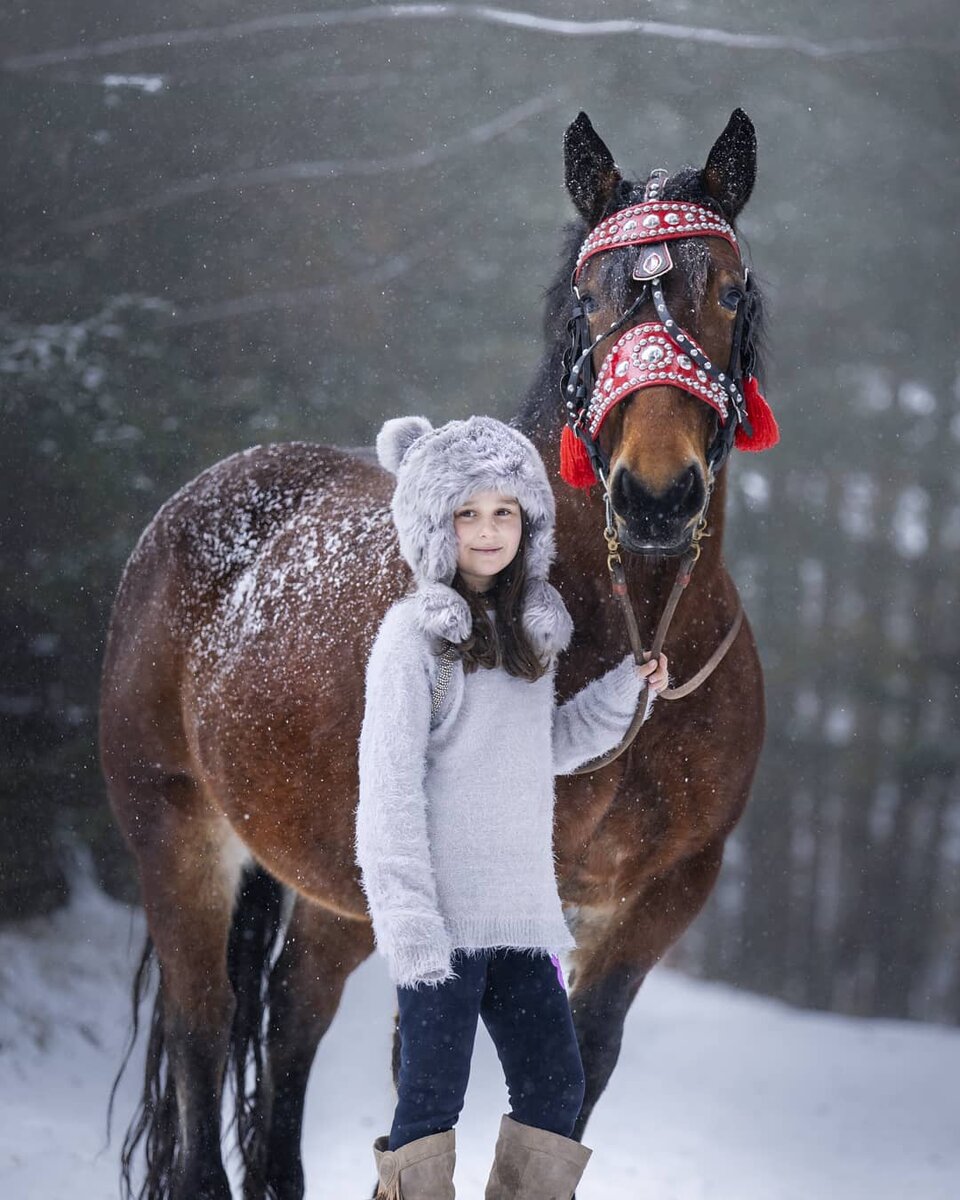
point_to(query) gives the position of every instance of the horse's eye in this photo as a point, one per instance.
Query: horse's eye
(730, 299)
(589, 304)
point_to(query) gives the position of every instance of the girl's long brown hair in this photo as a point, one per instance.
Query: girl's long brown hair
(501, 642)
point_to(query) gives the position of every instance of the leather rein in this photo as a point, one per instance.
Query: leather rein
(652, 355)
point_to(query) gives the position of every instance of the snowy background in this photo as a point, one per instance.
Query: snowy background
(236, 221)
(719, 1095)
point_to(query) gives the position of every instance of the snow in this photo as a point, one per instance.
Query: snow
(917, 398)
(145, 83)
(756, 490)
(719, 1095)
(910, 535)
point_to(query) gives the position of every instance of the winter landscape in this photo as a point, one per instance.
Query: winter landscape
(719, 1095)
(230, 224)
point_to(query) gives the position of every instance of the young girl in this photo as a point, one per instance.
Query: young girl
(455, 820)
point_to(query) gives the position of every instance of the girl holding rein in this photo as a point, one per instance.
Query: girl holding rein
(460, 744)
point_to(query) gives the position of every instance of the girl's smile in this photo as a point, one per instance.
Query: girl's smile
(488, 528)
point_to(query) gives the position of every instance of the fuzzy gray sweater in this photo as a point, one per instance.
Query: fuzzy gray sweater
(455, 819)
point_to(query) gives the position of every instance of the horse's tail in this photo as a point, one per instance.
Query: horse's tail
(254, 941)
(254, 938)
(154, 1123)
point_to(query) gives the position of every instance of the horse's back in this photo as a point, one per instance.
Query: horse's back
(219, 522)
(268, 566)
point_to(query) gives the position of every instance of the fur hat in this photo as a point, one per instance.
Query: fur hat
(437, 470)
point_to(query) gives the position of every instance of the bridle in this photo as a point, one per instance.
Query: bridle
(657, 354)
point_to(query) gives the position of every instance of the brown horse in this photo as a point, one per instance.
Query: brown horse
(233, 692)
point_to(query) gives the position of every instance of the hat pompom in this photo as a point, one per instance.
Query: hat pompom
(395, 439)
(546, 621)
(443, 612)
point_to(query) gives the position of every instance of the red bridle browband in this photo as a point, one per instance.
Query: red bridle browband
(653, 221)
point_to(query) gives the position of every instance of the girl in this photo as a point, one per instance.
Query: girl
(461, 740)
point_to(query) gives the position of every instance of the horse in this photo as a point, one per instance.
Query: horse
(232, 697)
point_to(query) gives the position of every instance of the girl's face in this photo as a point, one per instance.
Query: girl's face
(488, 529)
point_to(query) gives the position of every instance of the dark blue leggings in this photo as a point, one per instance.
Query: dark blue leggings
(523, 1004)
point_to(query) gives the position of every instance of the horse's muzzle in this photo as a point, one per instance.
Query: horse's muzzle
(658, 522)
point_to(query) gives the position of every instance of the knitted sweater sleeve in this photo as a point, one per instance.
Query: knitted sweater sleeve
(393, 849)
(596, 718)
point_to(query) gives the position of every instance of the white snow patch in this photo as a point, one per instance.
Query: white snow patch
(884, 811)
(910, 517)
(874, 390)
(860, 495)
(813, 586)
(917, 398)
(719, 1095)
(840, 724)
(806, 709)
(756, 490)
(144, 83)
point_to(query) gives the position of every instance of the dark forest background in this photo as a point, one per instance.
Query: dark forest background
(230, 223)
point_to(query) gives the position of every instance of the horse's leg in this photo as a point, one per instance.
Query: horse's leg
(616, 952)
(190, 865)
(320, 951)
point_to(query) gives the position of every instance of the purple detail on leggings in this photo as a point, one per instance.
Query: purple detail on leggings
(559, 970)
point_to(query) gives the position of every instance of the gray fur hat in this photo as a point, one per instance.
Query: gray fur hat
(437, 470)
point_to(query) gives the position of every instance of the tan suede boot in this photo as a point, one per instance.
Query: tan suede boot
(420, 1170)
(532, 1164)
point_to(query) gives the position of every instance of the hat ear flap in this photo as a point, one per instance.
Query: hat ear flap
(395, 439)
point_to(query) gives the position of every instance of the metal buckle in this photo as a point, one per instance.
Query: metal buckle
(653, 261)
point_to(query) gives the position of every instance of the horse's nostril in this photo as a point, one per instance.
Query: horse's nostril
(690, 483)
(659, 516)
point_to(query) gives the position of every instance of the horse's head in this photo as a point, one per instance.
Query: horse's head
(661, 353)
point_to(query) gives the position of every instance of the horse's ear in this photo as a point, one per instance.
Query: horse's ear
(732, 165)
(591, 174)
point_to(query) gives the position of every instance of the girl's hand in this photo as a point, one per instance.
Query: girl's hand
(654, 673)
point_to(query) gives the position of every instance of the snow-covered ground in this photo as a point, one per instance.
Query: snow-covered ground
(718, 1096)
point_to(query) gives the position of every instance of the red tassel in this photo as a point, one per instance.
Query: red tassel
(575, 467)
(765, 430)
